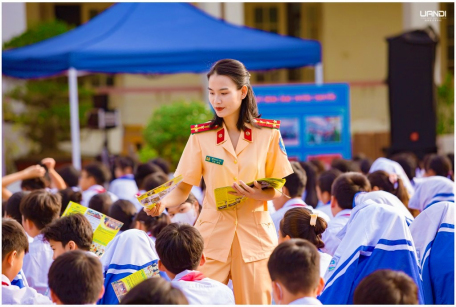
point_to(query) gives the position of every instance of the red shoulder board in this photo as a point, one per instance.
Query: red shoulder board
(268, 123)
(202, 128)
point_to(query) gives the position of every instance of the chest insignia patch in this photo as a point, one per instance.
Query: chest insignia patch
(214, 160)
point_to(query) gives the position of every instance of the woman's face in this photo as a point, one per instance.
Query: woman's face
(183, 208)
(224, 96)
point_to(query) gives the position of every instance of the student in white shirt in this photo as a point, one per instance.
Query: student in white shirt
(67, 233)
(154, 291)
(301, 223)
(93, 177)
(124, 186)
(294, 267)
(76, 278)
(38, 209)
(324, 183)
(14, 246)
(292, 196)
(344, 189)
(180, 249)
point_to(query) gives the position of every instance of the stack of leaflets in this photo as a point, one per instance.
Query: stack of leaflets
(224, 198)
(104, 227)
(122, 286)
(152, 197)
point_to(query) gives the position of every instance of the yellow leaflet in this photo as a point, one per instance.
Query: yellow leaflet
(152, 197)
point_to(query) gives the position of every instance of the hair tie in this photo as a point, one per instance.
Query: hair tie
(313, 219)
(393, 180)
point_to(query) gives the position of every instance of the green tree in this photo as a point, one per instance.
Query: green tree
(46, 112)
(445, 106)
(169, 128)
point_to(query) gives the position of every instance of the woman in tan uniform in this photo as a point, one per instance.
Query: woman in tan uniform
(234, 148)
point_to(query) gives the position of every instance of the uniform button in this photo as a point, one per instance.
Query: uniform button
(235, 178)
(235, 161)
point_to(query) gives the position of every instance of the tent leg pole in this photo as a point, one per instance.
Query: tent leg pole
(319, 74)
(74, 118)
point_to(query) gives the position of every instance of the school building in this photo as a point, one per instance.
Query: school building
(353, 38)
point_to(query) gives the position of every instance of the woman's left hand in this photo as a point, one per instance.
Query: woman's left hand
(254, 192)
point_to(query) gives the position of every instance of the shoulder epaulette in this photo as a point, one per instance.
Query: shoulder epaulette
(268, 123)
(202, 127)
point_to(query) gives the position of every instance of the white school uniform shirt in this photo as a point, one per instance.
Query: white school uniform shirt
(95, 189)
(325, 260)
(293, 203)
(431, 190)
(37, 263)
(306, 301)
(325, 208)
(334, 226)
(205, 291)
(13, 295)
(124, 187)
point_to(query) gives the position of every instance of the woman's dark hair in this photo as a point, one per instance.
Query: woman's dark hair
(381, 179)
(124, 211)
(311, 185)
(296, 224)
(101, 202)
(154, 224)
(68, 195)
(237, 72)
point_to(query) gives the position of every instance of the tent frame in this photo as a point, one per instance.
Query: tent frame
(74, 111)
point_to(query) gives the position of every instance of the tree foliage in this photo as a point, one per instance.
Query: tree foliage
(169, 129)
(445, 106)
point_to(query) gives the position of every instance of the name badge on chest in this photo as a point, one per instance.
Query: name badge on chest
(214, 160)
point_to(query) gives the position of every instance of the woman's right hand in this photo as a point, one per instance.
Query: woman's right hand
(155, 211)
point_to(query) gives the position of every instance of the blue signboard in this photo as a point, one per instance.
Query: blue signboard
(315, 119)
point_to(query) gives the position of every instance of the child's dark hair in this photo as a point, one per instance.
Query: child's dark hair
(154, 291)
(41, 207)
(440, 164)
(296, 181)
(179, 247)
(365, 165)
(311, 184)
(70, 175)
(296, 264)
(237, 72)
(346, 186)
(123, 211)
(143, 170)
(154, 180)
(162, 163)
(408, 161)
(319, 165)
(13, 206)
(386, 287)
(68, 195)
(13, 238)
(125, 162)
(74, 227)
(98, 171)
(326, 179)
(76, 278)
(381, 179)
(33, 184)
(153, 224)
(101, 202)
(296, 224)
(344, 165)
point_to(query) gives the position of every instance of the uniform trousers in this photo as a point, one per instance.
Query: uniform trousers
(251, 280)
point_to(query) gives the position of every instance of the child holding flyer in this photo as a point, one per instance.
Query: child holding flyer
(14, 246)
(68, 233)
(76, 278)
(180, 248)
(38, 209)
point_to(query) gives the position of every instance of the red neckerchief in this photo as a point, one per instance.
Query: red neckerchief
(193, 276)
(5, 283)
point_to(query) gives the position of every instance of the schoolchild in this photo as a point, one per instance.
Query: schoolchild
(101, 203)
(180, 249)
(124, 185)
(154, 291)
(294, 267)
(68, 233)
(14, 246)
(324, 183)
(152, 225)
(38, 209)
(123, 211)
(92, 180)
(343, 191)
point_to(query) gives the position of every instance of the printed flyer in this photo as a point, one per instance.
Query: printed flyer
(122, 286)
(152, 197)
(224, 198)
(104, 227)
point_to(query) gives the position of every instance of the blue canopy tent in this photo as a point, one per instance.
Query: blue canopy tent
(155, 38)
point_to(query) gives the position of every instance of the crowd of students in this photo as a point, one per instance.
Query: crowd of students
(357, 231)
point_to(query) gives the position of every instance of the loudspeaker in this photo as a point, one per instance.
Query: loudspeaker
(412, 92)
